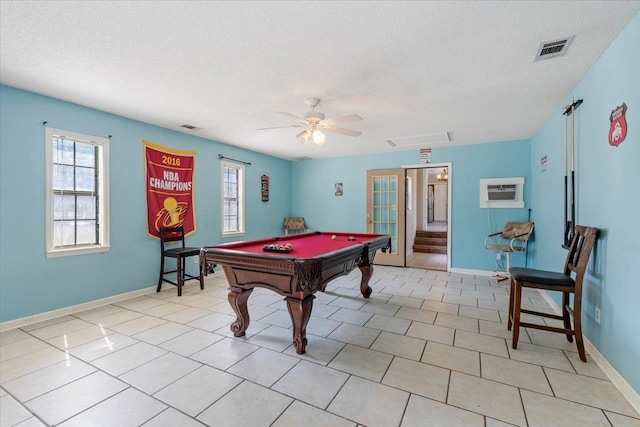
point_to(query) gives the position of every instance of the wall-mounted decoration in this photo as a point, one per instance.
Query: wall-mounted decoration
(338, 188)
(618, 127)
(264, 187)
(425, 155)
(543, 164)
(169, 184)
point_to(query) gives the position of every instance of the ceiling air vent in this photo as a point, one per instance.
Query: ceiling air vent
(419, 140)
(190, 127)
(553, 49)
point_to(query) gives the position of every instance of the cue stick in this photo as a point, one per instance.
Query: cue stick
(569, 225)
(573, 173)
(566, 188)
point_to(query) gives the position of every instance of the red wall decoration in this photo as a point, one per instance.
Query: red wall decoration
(618, 127)
(169, 188)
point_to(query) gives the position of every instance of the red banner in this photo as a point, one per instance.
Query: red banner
(169, 182)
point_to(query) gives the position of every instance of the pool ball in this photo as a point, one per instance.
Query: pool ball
(333, 237)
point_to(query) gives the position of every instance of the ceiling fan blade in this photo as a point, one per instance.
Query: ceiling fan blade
(282, 127)
(345, 119)
(342, 131)
(300, 119)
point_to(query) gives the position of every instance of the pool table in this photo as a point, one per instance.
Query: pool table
(313, 260)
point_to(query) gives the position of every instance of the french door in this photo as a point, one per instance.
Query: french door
(386, 196)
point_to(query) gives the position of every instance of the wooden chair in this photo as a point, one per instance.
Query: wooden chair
(294, 225)
(576, 264)
(180, 253)
(513, 238)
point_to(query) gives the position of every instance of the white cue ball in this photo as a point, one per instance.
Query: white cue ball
(333, 237)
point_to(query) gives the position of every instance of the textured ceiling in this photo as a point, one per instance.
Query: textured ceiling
(407, 68)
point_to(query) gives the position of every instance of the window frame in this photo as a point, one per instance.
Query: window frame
(103, 210)
(240, 198)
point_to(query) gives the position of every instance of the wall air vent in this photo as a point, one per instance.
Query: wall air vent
(553, 49)
(190, 127)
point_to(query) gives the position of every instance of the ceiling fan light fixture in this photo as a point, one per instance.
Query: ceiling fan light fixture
(303, 136)
(316, 125)
(318, 137)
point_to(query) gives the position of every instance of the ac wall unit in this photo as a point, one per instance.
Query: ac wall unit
(502, 192)
(498, 192)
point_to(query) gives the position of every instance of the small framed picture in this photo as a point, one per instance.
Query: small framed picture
(338, 189)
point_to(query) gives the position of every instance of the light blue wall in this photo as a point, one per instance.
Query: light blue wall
(314, 197)
(608, 197)
(30, 283)
(313, 189)
(470, 224)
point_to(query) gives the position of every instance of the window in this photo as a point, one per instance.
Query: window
(232, 199)
(77, 193)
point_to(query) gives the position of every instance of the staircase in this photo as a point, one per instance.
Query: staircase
(432, 242)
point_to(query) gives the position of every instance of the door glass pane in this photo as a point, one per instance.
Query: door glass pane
(385, 215)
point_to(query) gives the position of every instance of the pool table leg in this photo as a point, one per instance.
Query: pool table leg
(300, 311)
(367, 272)
(238, 300)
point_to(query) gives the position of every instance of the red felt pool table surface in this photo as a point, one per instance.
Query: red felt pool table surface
(304, 245)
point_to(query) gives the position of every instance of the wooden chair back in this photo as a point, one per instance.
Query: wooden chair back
(579, 252)
(171, 235)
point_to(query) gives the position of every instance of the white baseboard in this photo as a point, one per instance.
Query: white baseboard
(474, 272)
(614, 376)
(18, 323)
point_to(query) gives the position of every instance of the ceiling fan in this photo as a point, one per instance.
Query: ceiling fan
(315, 123)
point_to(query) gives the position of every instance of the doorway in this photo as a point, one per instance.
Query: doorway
(406, 203)
(428, 244)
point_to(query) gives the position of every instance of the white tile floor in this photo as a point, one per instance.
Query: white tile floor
(427, 349)
(427, 261)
